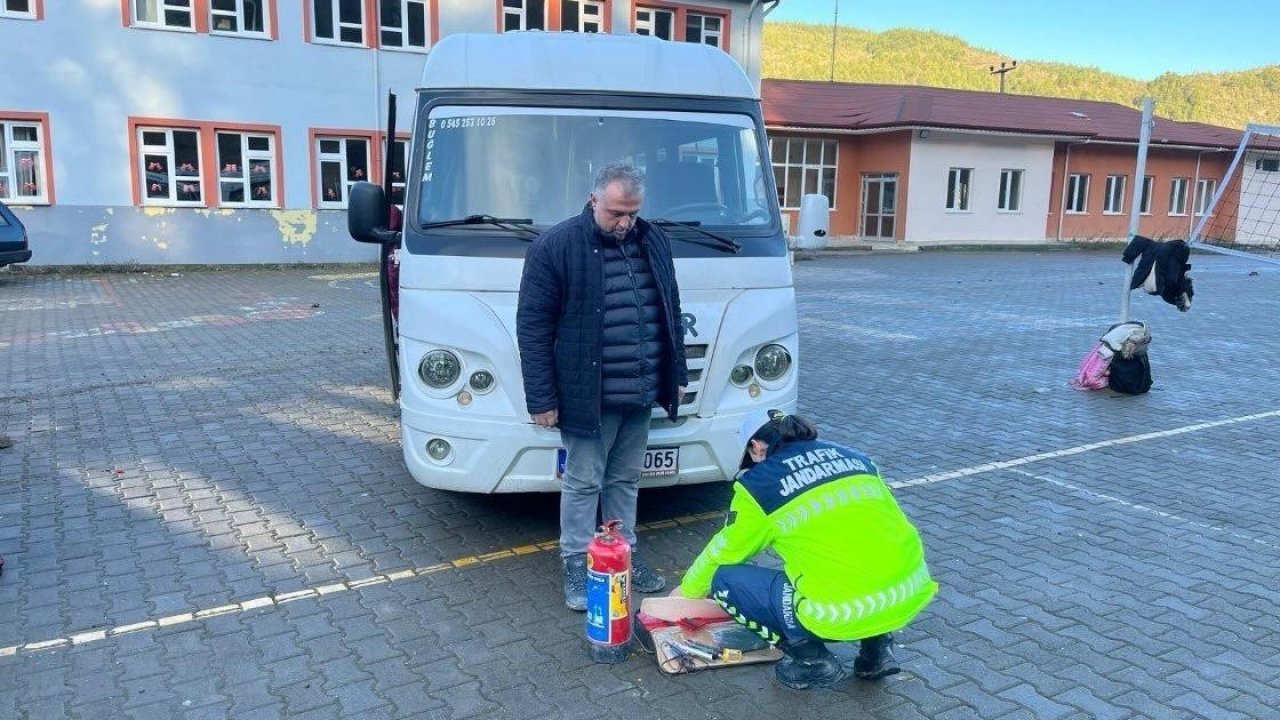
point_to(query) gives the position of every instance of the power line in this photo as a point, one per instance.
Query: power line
(835, 18)
(1002, 70)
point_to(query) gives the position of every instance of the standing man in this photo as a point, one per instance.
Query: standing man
(601, 341)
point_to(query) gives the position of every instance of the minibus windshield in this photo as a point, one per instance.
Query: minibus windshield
(538, 163)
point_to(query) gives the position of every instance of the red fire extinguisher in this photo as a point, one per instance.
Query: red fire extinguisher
(609, 595)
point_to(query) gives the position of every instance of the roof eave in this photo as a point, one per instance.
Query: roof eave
(998, 132)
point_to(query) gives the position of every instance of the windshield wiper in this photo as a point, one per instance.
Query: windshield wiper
(722, 242)
(504, 223)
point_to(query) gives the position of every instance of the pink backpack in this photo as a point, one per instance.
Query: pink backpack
(1092, 374)
(1126, 339)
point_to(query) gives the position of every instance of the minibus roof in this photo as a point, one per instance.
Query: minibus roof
(591, 62)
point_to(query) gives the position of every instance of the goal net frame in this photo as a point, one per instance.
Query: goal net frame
(1243, 218)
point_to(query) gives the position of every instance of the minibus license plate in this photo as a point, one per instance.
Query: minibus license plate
(658, 462)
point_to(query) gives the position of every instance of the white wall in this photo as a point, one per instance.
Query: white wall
(1258, 221)
(928, 219)
(91, 73)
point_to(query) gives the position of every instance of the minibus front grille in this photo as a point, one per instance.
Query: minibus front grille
(697, 358)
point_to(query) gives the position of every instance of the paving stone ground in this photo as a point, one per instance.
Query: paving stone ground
(188, 446)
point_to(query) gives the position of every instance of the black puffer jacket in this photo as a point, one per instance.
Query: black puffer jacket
(632, 345)
(560, 322)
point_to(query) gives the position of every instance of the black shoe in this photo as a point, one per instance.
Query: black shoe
(644, 579)
(875, 659)
(813, 670)
(575, 582)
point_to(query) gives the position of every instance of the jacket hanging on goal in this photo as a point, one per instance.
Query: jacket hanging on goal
(1161, 269)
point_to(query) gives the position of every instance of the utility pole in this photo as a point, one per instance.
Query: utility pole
(834, 20)
(1002, 70)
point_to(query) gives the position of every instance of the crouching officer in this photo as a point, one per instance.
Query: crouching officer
(853, 565)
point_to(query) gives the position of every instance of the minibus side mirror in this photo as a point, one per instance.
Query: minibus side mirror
(367, 214)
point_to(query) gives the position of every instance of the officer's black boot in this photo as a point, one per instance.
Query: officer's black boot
(875, 658)
(807, 665)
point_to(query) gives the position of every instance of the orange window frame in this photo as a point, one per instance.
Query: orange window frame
(682, 17)
(375, 155)
(208, 153)
(373, 26)
(200, 17)
(377, 141)
(46, 149)
(553, 10)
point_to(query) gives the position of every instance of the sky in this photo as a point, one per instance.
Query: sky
(1137, 38)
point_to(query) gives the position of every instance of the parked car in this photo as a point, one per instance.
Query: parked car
(13, 238)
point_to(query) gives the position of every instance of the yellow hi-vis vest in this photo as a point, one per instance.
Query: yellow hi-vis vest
(856, 562)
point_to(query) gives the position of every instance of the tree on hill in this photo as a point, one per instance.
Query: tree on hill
(800, 51)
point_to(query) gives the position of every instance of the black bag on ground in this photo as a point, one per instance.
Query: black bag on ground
(1131, 376)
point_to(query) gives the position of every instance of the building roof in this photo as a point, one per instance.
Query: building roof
(860, 106)
(600, 62)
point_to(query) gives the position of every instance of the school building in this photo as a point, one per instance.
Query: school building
(929, 165)
(229, 131)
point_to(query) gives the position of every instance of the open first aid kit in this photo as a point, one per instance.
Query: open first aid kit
(691, 635)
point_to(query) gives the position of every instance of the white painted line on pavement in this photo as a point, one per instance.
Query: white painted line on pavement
(1079, 449)
(83, 637)
(267, 601)
(1145, 508)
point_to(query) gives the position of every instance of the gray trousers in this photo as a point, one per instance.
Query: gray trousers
(603, 475)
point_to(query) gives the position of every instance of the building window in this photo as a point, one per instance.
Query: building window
(22, 162)
(398, 173)
(1078, 194)
(1268, 164)
(169, 14)
(1010, 191)
(1148, 183)
(22, 9)
(1178, 197)
(1113, 203)
(1204, 195)
(524, 15)
(170, 166)
(582, 15)
(247, 169)
(403, 24)
(958, 180)
(702, 28)
(803, 167)
(340, 163)
(657, 22)
(338, 21)
(239, 167)
(238, 17)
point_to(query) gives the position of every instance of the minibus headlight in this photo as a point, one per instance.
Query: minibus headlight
(482, 381)
(772, 362)
(439, 449)
(439, 369)
(741, 375)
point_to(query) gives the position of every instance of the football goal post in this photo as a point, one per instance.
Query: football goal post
(1243, 217)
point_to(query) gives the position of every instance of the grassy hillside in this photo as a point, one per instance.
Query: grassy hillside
(915, 57)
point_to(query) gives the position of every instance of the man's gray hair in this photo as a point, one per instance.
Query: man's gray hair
(629, 175)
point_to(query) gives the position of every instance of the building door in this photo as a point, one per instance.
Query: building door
(879, 205)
